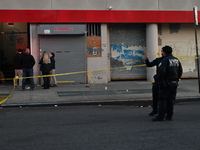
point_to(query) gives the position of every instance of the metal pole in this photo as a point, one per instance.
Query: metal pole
(196, 41)
(197, 56)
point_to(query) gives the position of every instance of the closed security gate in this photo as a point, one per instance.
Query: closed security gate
(127, 51)
(70, 55)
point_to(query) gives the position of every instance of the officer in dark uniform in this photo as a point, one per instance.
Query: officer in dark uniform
(169, 72)
(155, 86)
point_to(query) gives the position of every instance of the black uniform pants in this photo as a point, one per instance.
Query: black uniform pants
(166, 98)
(155, 89)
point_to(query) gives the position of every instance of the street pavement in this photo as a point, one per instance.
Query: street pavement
(93, 127)
(115, 92)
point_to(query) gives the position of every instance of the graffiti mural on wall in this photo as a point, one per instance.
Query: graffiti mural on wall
(124, 56)
(183, 48)
(13, 37)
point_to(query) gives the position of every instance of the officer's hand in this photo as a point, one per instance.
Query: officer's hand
(147, 56)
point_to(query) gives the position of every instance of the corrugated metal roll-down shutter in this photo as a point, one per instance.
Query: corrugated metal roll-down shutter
(69, 55)
(128, 51)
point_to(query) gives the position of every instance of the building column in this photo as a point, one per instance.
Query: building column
(35, 51)
(151, 48)
(101, 63)
(105, 46)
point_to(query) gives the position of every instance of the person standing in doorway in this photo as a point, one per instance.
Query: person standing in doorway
(52, 72)
(41, 60)
(155, 86)
(169, 72)
(18, 67)
(28, 62)
(46, 67)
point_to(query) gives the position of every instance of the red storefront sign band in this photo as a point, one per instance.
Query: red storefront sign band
(96, 16)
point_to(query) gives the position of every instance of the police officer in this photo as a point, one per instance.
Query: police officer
(155, 86)
(169, 72)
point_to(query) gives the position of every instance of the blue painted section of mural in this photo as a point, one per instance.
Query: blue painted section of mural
(127, 55)
(118, 48)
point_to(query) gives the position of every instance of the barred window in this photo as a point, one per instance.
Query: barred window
(93, 29)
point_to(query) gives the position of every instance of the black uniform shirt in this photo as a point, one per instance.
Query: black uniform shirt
(169, 69)
(153, 63)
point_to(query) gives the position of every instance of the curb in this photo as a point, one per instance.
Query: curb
(135, 102)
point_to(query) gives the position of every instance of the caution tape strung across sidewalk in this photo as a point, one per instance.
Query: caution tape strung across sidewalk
(3, 99)
(61, 74)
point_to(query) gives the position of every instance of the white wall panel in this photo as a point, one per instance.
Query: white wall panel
(133, 4)
(178, 4)
(25, 4)
(100, 4)
(79, 4)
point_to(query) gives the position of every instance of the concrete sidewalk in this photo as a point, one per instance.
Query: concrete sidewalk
(114, 92)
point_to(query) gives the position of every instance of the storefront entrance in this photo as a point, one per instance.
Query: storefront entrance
(68, 44)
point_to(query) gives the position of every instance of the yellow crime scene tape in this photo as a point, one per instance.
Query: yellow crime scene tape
(89, 75)
(65, 81)
(3, 99)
